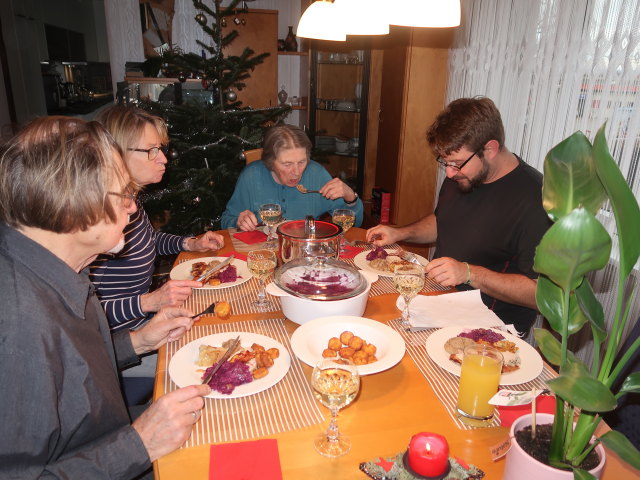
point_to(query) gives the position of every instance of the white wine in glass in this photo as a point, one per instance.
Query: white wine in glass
(261, 264)
(345, 218)
(271, 214)
(408, 280)
(335, 383)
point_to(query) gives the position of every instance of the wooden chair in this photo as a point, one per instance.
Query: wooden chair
(252, 155)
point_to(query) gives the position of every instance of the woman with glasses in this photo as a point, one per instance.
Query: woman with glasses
(123, 281)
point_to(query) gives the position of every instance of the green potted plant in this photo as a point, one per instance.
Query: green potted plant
(578, 179)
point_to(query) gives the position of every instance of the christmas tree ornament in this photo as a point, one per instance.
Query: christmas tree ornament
(236, 20)
(243, 21)
(201, 19)
(231, 96)
(182, 77)
(172, 153)
(223, 22)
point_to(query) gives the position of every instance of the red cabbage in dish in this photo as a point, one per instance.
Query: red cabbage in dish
(229, 376)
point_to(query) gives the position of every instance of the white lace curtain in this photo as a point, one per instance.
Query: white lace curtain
(554, 67)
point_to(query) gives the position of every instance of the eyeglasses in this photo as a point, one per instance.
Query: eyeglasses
(128, 199)
(455, 166)
(152, 152)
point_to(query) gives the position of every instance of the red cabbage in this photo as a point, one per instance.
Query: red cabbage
(229, 376)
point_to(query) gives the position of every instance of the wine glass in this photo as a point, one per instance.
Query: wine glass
(408, 280)
(271, 214)
(335, 383)
(345, 218)
(261, 263)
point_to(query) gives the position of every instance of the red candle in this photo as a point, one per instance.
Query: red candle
(428, 454)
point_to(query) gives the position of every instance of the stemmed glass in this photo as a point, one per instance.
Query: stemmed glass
(261, 263)
(345, 218)
(271, 214)
(408, 280)
(335, 383)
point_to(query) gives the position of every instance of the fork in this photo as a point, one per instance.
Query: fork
(302, 189)
(207, 311)
(408, 256)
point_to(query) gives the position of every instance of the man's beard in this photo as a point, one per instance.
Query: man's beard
(466, 184)
(118, 247)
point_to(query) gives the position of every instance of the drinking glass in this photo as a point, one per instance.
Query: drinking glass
(408, 280)
(335, 383)
(479, 380)
(271, 214)
(344, 218)
(261, 263)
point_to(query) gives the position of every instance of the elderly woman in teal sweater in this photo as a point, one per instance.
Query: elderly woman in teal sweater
(285, 163)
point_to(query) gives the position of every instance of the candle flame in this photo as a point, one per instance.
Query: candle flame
(428, 446)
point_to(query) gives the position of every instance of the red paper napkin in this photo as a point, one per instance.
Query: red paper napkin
(544, 404)
(256, 460)
(240, 256)
(349, 252)
(255, 236)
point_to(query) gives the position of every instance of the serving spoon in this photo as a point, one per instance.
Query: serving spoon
(302, 189)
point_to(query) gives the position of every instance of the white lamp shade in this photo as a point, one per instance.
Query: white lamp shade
(363, 17)
(425, 13)
(321, 21)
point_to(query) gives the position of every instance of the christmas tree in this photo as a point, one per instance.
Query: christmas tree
(207, 137)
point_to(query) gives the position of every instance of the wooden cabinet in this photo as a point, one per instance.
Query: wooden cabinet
(413, 87)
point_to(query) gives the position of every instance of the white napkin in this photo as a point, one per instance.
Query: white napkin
(451, 309)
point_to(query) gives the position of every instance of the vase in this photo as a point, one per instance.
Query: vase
(282, 96)
(290, 42)
(519, 465)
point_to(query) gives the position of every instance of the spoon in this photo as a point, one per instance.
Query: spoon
(302, 189)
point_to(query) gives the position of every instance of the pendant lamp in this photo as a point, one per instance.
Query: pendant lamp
(321, 21)
(363, 17)
(424, 13)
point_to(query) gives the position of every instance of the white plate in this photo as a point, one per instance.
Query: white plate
(184, 371)
(530, 367)
(362, 263)
(310, 339)
(183, 271)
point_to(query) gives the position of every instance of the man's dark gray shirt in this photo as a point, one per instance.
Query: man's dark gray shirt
(62, 414)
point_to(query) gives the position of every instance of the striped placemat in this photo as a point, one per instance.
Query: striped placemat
(288, 405)
(445, 384)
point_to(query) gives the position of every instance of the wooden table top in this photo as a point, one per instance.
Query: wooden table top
(391, 407)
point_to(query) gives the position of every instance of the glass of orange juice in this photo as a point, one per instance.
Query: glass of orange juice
(479, 380)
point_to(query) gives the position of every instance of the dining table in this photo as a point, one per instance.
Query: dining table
(392, 405)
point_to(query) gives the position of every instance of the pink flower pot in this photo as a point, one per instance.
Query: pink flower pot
(520, 466)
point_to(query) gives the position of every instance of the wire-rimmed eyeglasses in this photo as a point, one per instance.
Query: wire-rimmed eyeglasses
(128, 199)
(457, 167)
(152, 152)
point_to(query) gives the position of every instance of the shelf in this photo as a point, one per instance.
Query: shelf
(336, 110)
(300, 54)
(353, 64)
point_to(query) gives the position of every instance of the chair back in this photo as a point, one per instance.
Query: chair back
(252, 155)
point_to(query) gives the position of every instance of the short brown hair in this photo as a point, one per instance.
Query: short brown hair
(283, 137)
(466, 122)
(127, 124)
(55, 174)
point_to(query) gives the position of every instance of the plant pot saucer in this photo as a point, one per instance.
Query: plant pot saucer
(405, 463)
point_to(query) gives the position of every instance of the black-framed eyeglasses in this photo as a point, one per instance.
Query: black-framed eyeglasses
(128, 199)
(441, 161)
(152, 152)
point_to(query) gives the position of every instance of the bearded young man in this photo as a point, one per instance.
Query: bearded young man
(489, 218)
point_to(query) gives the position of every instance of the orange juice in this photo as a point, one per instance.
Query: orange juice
(479, 380)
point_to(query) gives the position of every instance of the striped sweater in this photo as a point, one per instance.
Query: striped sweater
(121, 279)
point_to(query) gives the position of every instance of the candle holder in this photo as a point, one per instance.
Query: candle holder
(407, 467)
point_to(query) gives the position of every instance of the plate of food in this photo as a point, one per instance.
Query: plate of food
(373, 346)
(236, 273)
(258, 363)
(521, 362)
(382, 261)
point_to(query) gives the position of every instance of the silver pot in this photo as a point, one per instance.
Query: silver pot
(308, 238)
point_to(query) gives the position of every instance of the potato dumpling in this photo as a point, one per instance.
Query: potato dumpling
(334, 343)
(369, 349)
(345, 337)
(273, 352)
(360, 358)
(259, 372)
(328, 353)
(222, 310)
(347, 352)
(356, 343)
(372, 358)
(257, 347)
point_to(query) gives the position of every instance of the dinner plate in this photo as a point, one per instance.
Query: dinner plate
(184, 371)
(362, 263)
(530, 367)
(310, 339)
(182, 271)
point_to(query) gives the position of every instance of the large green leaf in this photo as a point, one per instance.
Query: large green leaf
(631, 383)
(570, 179)
(575, 245)
(551, 347)
(623, 447)
(579, 474)
(550, 301)
(578, 387)
(592, 308)
(623, 202)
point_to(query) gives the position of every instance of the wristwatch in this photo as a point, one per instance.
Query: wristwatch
(353, 202)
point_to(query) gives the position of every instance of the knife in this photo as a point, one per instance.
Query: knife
(224, 358)
(215, 269)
